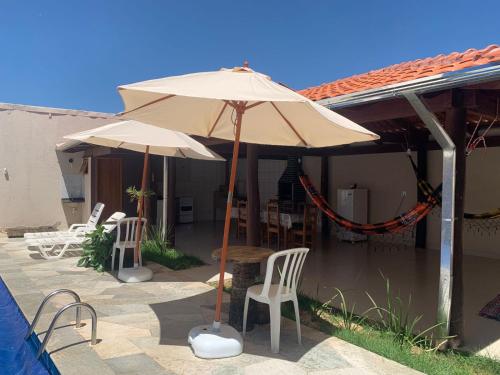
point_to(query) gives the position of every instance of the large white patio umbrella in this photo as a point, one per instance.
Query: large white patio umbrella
(242, 105)
(137, 136)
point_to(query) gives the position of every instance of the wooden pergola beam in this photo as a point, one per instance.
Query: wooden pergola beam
(398, 107)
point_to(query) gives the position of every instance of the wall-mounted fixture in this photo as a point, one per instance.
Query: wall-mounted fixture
(6, 174)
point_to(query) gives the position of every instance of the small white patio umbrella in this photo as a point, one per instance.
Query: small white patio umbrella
(242, 105)
(137, 136)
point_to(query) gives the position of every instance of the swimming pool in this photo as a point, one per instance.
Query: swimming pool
(17, 355)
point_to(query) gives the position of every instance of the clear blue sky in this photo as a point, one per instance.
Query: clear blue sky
(73, 53)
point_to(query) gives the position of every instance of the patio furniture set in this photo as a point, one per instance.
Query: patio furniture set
(246, 269)
(296, 228)
(235, 104)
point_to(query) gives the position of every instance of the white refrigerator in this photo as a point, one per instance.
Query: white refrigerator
(352, 204)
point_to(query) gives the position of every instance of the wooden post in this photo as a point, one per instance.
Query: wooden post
(141, 208)
(455, 126)
(164, 222)
(325, 181)
(421, 230)
(253, 198)
(240, 109)
(171, 204)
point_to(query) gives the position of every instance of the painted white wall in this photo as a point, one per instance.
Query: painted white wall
(199, 179)
(387, 176)
(270, 172)
(31, 194)
(482, 195)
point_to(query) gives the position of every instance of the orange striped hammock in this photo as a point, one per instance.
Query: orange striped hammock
(398, 224)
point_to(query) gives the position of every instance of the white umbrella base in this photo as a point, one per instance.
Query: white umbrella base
(135, 275)
(215, 341)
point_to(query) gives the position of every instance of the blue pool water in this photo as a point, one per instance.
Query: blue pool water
(17, 356)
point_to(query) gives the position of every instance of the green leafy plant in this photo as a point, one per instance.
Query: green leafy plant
(395, 318)
(158, 249)
(350, 321)
(157, 239)
(372, 335)
(96, 249)
(135, 194)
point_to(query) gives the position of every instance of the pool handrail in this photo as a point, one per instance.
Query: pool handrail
(78, 305)
(44, 302)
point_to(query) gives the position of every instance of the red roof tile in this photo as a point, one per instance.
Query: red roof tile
(406, 71)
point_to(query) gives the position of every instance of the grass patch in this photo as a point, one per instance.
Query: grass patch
(171, 258)
(157, 248)
(378, 338)
(370, 336)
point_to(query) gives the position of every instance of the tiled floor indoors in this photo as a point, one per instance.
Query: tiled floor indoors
(355, 268)
(142, 328)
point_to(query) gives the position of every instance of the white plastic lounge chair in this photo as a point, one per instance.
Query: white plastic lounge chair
(74, 228)
(55, 247)
(125, 239)
(275, 294)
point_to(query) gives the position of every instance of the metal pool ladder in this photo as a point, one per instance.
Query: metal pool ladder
(78, 304)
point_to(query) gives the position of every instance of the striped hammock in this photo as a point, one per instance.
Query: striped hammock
(397, 224)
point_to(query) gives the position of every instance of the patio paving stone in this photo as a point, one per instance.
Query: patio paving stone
(142, 328)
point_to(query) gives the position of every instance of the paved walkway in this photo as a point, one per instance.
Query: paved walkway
(143, 328)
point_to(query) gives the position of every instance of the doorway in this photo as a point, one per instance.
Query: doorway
(109, 185)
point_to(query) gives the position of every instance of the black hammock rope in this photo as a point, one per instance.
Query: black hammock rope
(427, 190)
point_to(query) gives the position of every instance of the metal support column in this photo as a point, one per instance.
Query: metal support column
(447, 209)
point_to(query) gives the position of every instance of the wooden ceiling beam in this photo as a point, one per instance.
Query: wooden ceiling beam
(398, 108)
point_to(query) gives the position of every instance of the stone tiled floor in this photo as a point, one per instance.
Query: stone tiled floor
(355, 268)
(142, 328)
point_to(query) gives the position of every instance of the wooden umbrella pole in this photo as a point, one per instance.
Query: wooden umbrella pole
(138, 232)
(227, 224)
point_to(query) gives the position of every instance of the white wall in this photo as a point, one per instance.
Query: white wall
(482, 195)
(387, 176)
(199, 179)
(270, 172)
(31, 194)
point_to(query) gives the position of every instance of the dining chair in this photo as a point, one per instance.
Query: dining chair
(126, 231)
(275, 294)
(241, 225)
(306, 234)
(273, 222)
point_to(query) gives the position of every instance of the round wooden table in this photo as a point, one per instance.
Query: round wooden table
(246, 269)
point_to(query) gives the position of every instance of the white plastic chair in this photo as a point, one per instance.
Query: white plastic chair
(49, 248)
(125, 239)
(74, 228)
(275, 294)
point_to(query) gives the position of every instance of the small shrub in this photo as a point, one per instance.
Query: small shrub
(350, 321)
(96, 249)
(157, 240)
(395, 318)
(158, 249)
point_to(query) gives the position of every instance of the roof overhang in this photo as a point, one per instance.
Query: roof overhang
(72, 146)
(439, 82)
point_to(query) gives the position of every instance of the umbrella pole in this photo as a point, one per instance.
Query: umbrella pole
(229, 205)
(138, 233)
